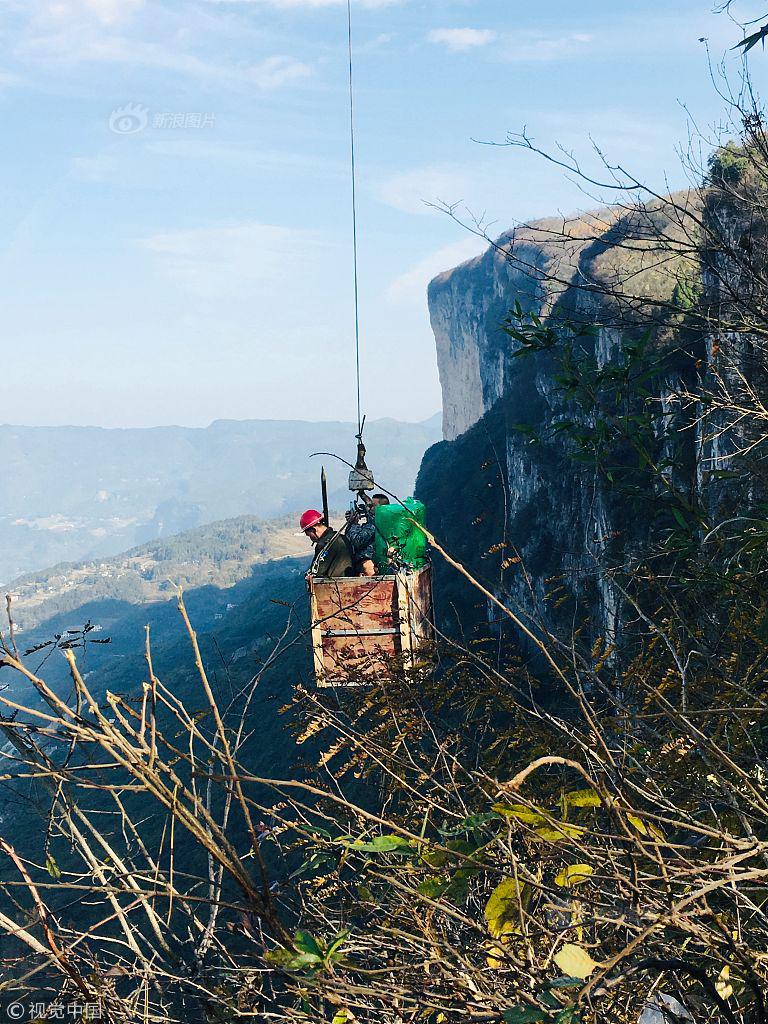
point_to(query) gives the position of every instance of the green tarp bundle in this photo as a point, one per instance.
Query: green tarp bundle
(398, 540)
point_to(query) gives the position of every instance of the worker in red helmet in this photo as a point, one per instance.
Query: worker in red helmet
(333, 552)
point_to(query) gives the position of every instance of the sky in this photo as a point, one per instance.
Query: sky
(175, 235)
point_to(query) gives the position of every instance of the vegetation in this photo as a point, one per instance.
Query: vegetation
(569, 830)
(219, 555)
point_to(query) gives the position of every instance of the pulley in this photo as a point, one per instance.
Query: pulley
(361, 478)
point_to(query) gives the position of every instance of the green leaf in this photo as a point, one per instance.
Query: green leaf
(52, 867)
(336, 943)
(302, 960)
(523, 1015)
(582, 798)
(520, 813)
(569, 1015)
(558, 832)
(471, 823)
(433, 887)
(365, 895)
(679, 518)
(505, 906)
(307, 943)
(380, 844)
(294, 961)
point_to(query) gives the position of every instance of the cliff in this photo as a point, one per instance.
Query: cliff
(553, 267)
(504, 489)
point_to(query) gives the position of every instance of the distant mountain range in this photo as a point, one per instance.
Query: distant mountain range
(239, 602)
(218, 556)
(84, 493)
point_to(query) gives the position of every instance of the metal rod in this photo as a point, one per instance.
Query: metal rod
(324, 489)
(354, 212)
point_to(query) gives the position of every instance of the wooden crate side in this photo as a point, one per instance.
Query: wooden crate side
(317, 638)
(421, 606)
(360, 624)
(355, 604)
(404, 617)
(354, 659)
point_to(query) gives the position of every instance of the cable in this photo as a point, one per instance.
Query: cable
(354, 215)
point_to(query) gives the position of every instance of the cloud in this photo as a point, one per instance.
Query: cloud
(535, 46)
(97, 48)
(106, 12)
(9, 79)
(129, 32)
(459, 39)
(276, 71)
(413, 190)
(411, 287)
(291, 5)
(248, 260)
(520, 46)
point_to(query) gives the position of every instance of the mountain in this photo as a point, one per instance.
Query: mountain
(243, 589)
(537, 522)
(83, 493)
(218, 555)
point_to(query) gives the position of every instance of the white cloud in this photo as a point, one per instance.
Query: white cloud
(534, 46)
(130, 32)
(413, 190)
(73, 47)
(411, 287)
(459, 39)
(290, 5)
(250, 261)
(107, 12)
(276, 71)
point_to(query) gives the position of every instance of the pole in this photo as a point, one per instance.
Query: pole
(324, 488)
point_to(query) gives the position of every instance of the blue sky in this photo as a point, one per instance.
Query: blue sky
(200, 267)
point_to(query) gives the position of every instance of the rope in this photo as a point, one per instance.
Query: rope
(354, 214)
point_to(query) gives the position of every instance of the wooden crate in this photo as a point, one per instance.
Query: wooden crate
(360, 624)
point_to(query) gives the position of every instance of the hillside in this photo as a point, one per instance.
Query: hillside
(218, 555)
(83, 493)
(238, 577)
(242, 587)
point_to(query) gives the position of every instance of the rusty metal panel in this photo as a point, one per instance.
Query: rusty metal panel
(355, 603)
(359, 624)
(352, 659)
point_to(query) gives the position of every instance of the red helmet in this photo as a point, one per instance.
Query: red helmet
(310, 518)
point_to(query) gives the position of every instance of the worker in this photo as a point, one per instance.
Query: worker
(361, 530)
(333, 552)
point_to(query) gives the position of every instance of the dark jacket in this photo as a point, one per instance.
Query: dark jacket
(361, 537)
(333, 556)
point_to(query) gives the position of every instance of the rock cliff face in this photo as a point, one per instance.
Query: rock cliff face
(467, 306)
(564, 267)
(502, 489)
